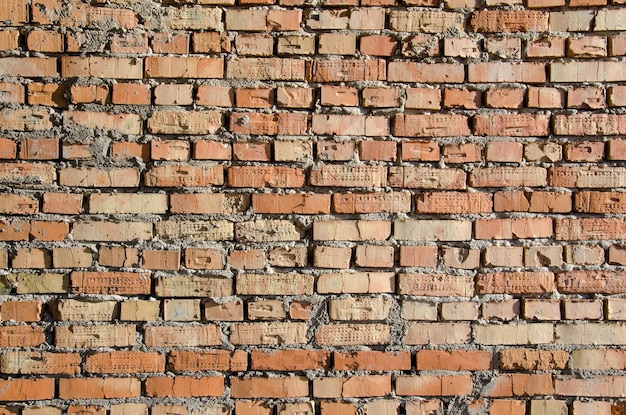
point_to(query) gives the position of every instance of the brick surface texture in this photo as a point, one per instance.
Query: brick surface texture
(313, 207)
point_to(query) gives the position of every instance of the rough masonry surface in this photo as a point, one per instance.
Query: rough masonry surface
(299, 207)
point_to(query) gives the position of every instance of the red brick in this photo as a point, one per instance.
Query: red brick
(546, 47)
(183, 67)
(588, 98)
(504, 151)
(345, 70)
(520, 385)
(254, 97)
(290, 360)
(211, 150)
(508, 406)
(516, 282)
(183, 175)
(132, 94)
(223, 360)
(294, 203)
(252, 151)
(48, 94)
(184, 386)
(21, 362)
(528, 72)
(176, 150)
(377, 150)
(351, 387)
(371, 202)
(14, 13)
(587, 47)
(291, 97)
(28, 67)
(425, 72)
(88, 94)
(257, 387)
(265, 69)
(339, 96)
(25, 119)
(210, 42)
(433, 385)
(378, 45)
(99, 388)
(11, 93)
(28, 311)
(45, 41)
(590, 281)
(436, 125)
(418, 256)
(461, 98)
(421, 46)
(110, 283)
(453, 360)
(453, 202)
(125, 362)
(26, 389)
(423, 98)
(520, 228)
(586, 176)
(532, 202)
(253, 408)
(372, 360)
(350, 125)
(265, 176)
(249, 259)
(171, 43)
(49, 231)
(529, 359)
(462, 153)
(498, 21)
(101, 67)
(268, 124)
(21, 336)
(505, 97)
(130, 43)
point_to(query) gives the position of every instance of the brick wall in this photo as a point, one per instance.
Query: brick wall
(284, 207)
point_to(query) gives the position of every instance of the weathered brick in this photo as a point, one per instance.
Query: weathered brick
(101, 67)
(181, 122)
(125, 362)
(183, 67)
(265, 69)
(258, 387)
(345, 70)
(184, 361)
(438, 285)
(498, 21)
(425, 72)
(527, 72)
(515, 282)
(182, 336)
(427, 178)
(345, 334)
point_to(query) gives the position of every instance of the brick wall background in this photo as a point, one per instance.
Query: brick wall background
(284, 207)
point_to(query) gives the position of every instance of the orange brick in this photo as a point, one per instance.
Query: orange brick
(171, 43)
(132, 94)
(29, 311)
(378, 45)
(290, 360)
(26, 389)
(257, 387)
(45, 41)
(99, 388)
(125, 362)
